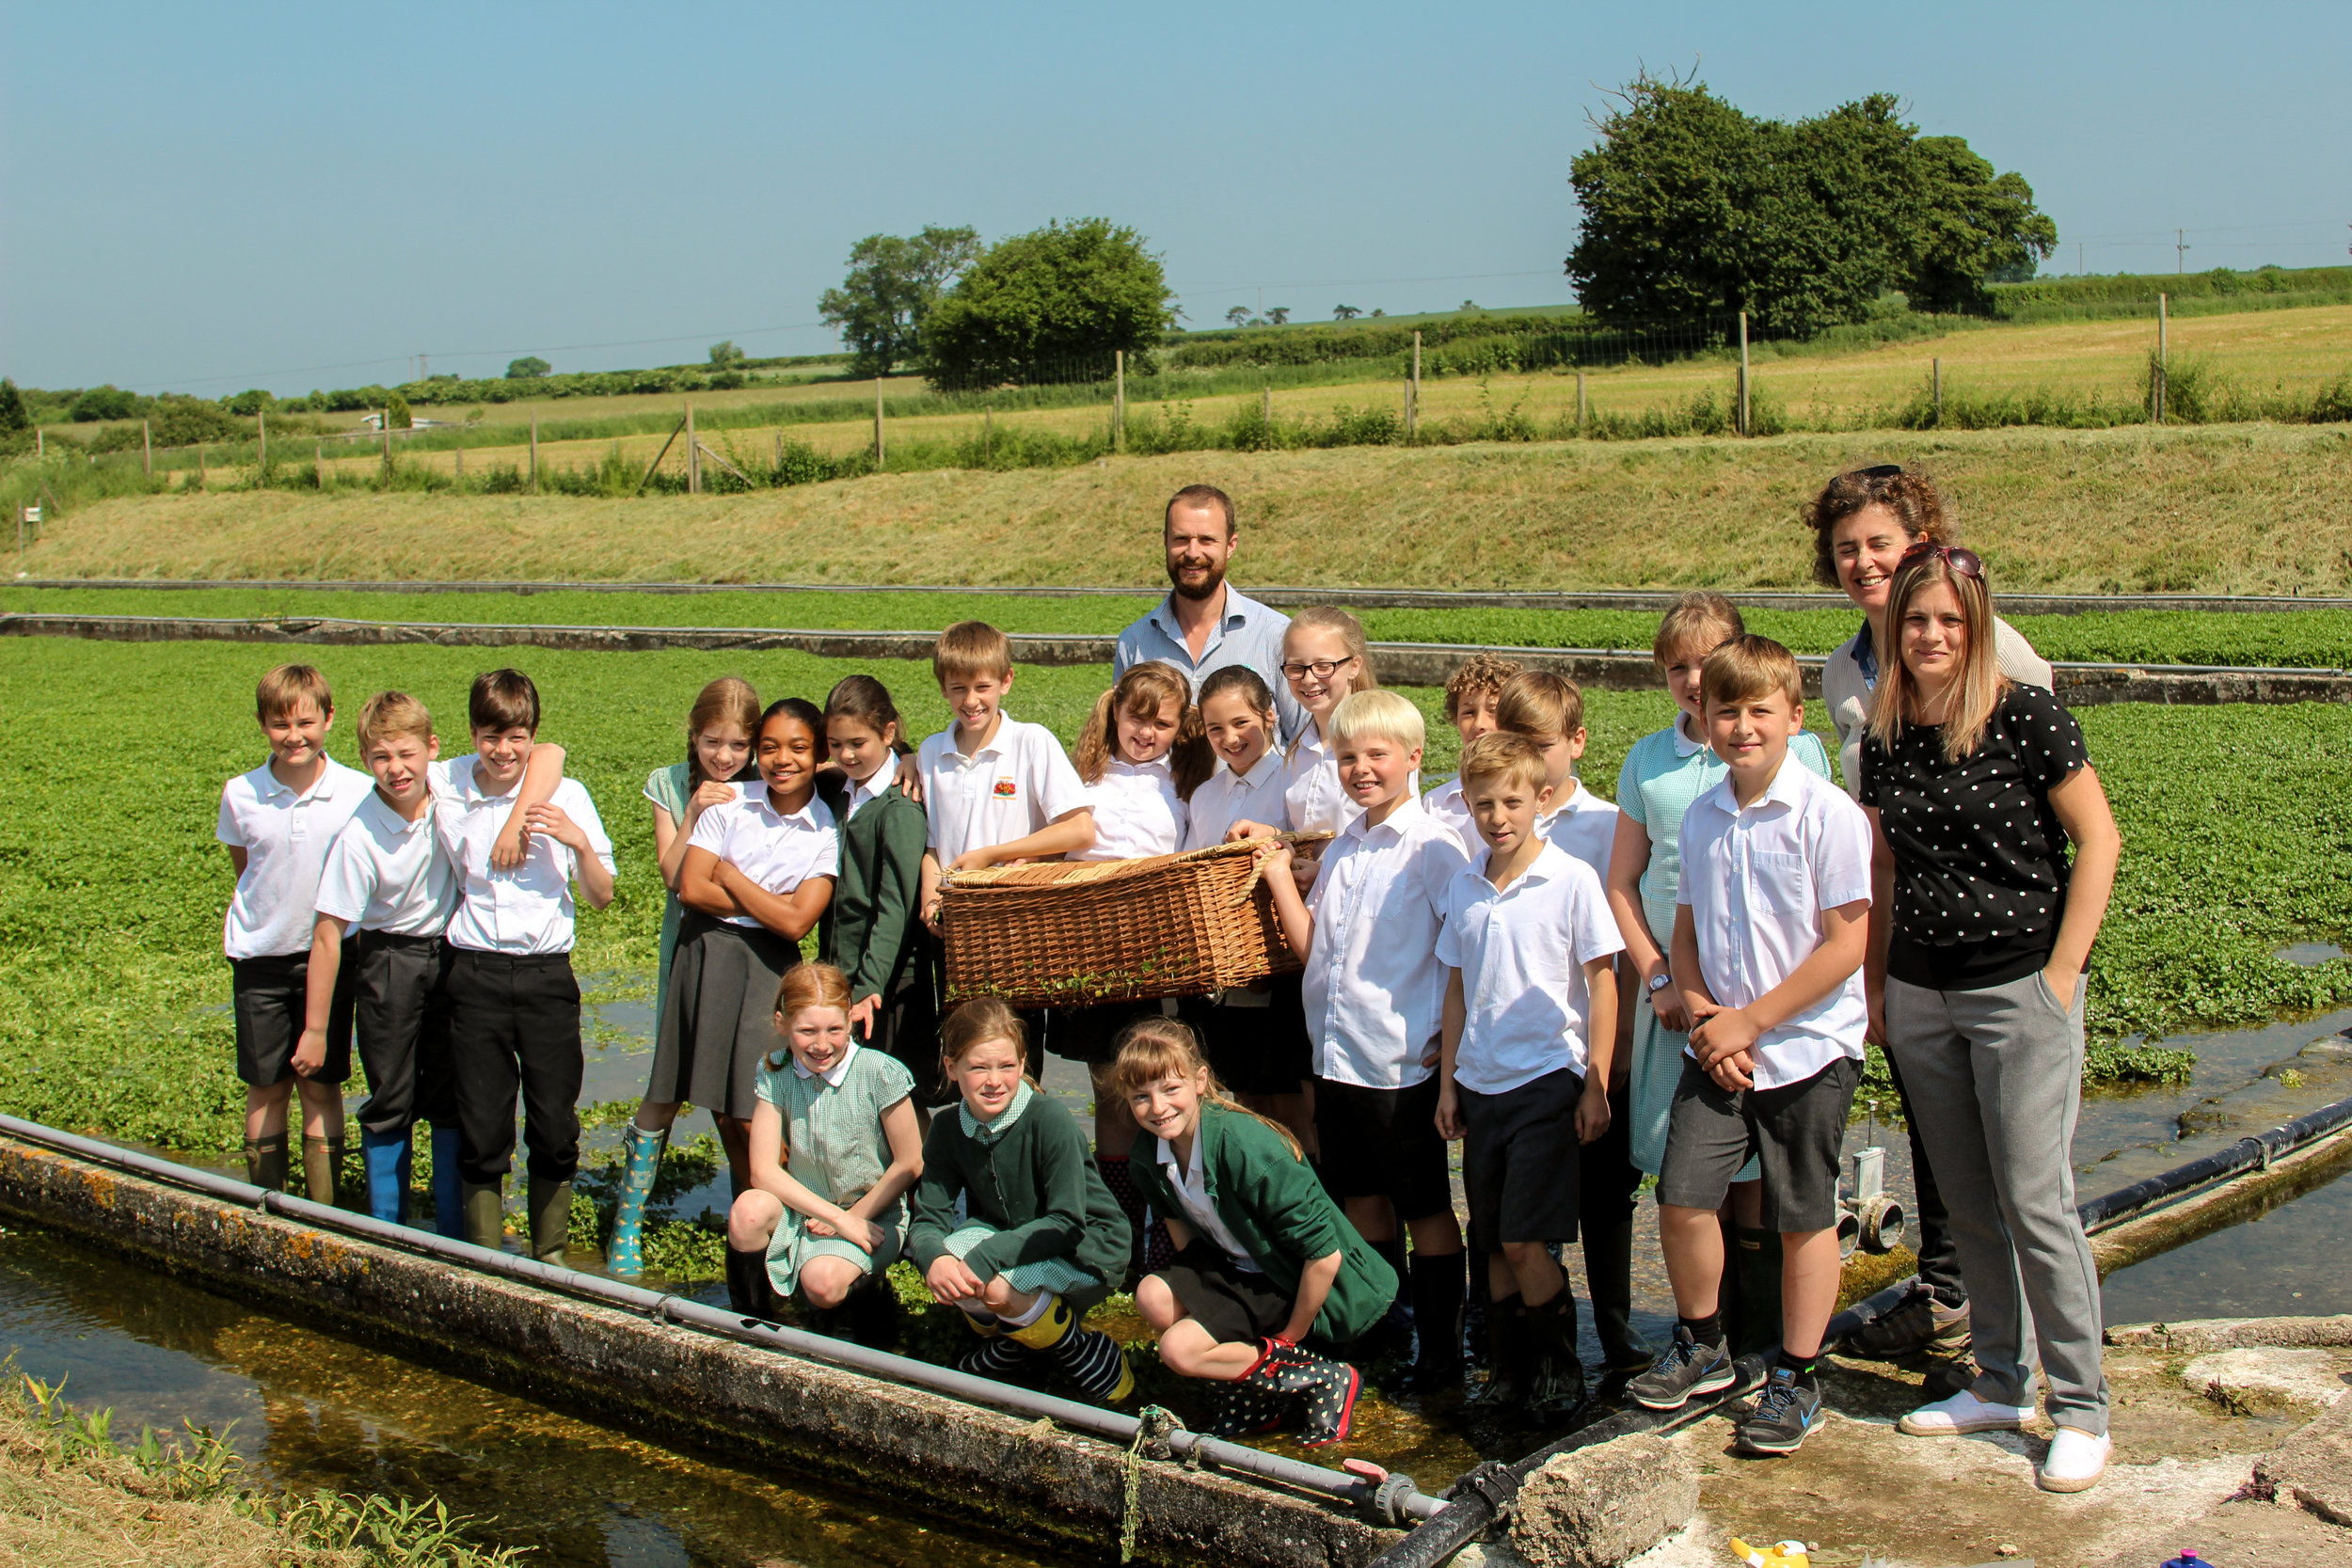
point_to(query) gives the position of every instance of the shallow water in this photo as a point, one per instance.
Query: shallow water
(311, 1410)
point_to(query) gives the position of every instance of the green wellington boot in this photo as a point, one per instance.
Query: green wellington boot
(486, 1217)
(550, 1220)
(265, 1162)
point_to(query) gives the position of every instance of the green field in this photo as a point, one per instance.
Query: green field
(2253, 509)
(2237, 832)
(2309, 638)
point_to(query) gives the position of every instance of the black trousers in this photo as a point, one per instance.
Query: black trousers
(401, 1014)
(1939, 1255)
(514, 1022)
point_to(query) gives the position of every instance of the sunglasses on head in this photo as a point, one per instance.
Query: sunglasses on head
(1881, 470)
(1965, 561)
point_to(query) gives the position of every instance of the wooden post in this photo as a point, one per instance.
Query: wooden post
(1937, 372)
(318, 463)
(387, 449)
(1265, 410)
(534, 455)
(1743, 373)
(146, 445)
(41, 442)
(988, 434)
(878, 420)
(260, 432)
(461, 463)
(1412, 399)
(1119, 400)
(2163, 363)
(779, 454)
(199, 465)
(1580, 402)
(693, 456)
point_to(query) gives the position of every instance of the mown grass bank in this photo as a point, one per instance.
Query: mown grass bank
(2311, 638)
(2235, 509)
(113, 992)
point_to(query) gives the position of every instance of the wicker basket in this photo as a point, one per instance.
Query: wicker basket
(1072, 933)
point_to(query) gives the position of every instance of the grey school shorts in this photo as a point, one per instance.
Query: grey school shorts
(1795, 1131)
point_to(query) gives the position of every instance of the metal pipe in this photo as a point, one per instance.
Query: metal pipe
(2253, 1152)
(1399, 1503)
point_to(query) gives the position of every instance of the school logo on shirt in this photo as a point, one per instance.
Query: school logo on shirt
(1004, 787)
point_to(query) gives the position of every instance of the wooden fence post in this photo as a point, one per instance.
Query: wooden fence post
(41, 443)
(1119, 400)
(988, 434)
(318, 463)
(261, 461)
(1743, 374)
(1265, 410)
(779, 454)
(146, 445)
(1580, 402)
(1412, 397)
(387, 449)
(693, 456)
(534, 455)
(1937, 372)
(2163, 363)
(878, 420)
(461, 463)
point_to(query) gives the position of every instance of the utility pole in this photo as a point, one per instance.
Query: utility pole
(2180, 251)
(2081, 271)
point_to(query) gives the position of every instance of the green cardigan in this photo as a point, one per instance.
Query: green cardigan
(1278, 1211)
(1036, 1185)
(872, 928)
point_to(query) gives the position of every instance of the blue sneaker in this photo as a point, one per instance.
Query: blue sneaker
(1686, 1370)
(1784, 1412)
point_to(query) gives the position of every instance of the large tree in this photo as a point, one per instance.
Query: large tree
(892, 285)
(1692, 208)
(1050, 304)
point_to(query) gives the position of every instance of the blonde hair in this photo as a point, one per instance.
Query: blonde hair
(1696, 619)
(1977, 689)
(1151, 1049)
(1144, 691)
(290, 683)
(1379, 713)
(971, 648)
(728, 700)
(1539, 702)
(1478, 672)
(1361, 676)
(1504, 755)
(390, 713)
(1746, 668)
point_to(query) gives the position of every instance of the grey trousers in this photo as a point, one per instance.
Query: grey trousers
(2001, 1073)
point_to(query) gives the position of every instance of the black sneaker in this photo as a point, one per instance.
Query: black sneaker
(1686, 1371)
(1785, 1412)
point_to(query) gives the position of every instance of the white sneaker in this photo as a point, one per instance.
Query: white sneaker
(2075, 1461)
(1961, 1414)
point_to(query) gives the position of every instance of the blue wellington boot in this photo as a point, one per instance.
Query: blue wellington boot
(643, 1161)
(449, 1193)
(386, 1155)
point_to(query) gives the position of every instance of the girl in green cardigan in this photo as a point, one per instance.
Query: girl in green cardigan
(1041, 1238)
(870, 930)
(1265, 1257)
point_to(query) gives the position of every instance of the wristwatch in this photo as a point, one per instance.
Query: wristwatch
(1659, 981)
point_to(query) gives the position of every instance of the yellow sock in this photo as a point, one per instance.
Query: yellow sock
(1050, 1327)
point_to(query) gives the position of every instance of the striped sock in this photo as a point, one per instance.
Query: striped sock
(993, 1358)
(1094, 1362)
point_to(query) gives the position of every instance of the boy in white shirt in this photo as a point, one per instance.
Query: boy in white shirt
(387, 890)
(514, 1003)
(1472, 693)
(1770, 930)
(1374, 997)
(1548, 711)
(1528, 946)
(278, 822)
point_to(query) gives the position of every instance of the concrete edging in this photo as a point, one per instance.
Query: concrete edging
(1401, 663)
(972, 1463)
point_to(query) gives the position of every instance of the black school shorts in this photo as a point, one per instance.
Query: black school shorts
(269, 998)
(1234, 1305)
(1384, 1142)
(1521, 1160)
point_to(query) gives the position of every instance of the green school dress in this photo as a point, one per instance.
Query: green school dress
(834, 1146)
(666, 787)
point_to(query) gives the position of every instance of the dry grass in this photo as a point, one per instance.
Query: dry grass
(99, 1508)
(2218, 508)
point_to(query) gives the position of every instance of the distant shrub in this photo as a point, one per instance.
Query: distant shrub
(397, 414)
(529, 368)
(105, 403)
(249, 403)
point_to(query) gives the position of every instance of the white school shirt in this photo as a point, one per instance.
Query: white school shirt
(1450, 806)
(1586, 828)
(1228, 798)
(1011, 787)
(1374, 990)
(1522, 951)
(777, 849)
(285, 836)
(528, 910)
(1311, 796)
(389, 873)
(1190, 1185)
(1137, 812)
(871, 787)
(1757, 881)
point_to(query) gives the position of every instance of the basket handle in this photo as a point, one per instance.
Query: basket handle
(1257, 862)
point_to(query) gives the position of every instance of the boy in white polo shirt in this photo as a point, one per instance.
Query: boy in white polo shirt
(1472, 693)
(1770, 930)
(1548, 711)
(278, 822)
(1530, 947)
(387, 890)
(1375, 997)
(514, 1003)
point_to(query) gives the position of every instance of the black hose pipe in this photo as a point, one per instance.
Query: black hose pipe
(2253, 1152)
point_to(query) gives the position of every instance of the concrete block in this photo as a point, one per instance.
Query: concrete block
(2252, 1381)
(1604, 1505)
(2314, 1468)
(2196, 1336)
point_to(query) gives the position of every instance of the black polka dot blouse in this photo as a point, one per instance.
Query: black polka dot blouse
(1981, 860)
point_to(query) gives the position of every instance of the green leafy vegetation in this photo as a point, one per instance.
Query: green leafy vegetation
(1029, 305)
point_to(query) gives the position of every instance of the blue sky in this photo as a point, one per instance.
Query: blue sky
(210, 197)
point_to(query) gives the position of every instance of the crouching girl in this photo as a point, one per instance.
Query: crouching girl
(833, 1150)
(1042, 1238)
(1265, 1257)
